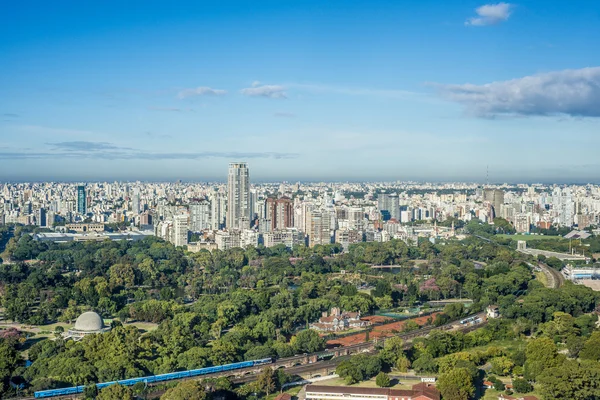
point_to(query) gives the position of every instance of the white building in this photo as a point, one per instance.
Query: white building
(180, 230)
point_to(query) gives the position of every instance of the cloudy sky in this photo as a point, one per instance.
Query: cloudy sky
(301, 90)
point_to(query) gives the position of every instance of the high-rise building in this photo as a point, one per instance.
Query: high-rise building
(218, 206)
(356, 218)
(81, 200)
(180, 230)
(135, 201)
(200, 216)
(496, 198)
(319, 227)
(238, 197)
(389, 205)
(280, 212)
(40, 217)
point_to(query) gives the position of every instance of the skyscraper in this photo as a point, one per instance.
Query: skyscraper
(238, 197)
(135, 201)
(81, 200)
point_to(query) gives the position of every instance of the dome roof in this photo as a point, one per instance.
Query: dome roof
(89, 322)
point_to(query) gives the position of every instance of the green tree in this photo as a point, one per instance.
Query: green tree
(186, 390)
(574, 345)
(9, 359)
(591, 348)
(382, 380)
(403, 363)
(521, 386)
(540, 354)
(392, 349)
(90, 391)
(501, 365)
(307, 341)
(456, 384)
(266, 381)
(349, 372)
(115, 392)
(571, 381)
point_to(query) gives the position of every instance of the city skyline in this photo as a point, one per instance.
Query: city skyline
(342, 91)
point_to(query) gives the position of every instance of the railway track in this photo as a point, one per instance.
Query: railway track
(249, 374)
(555, 278)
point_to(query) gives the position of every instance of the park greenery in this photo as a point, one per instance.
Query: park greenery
(213, 308)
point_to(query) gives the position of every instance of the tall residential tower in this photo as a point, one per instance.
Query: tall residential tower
(238, 197)
(81, 200)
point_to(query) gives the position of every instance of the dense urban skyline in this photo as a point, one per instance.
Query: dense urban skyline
(312, 91)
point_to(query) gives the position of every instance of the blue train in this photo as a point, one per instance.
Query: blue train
(154, 378)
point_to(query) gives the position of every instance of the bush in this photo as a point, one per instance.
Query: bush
(382, 380)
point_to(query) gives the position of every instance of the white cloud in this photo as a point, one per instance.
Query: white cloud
(201, 91)
(572, 92)
(270, 91)
(44, 130)
(284, 114)
(490, 14)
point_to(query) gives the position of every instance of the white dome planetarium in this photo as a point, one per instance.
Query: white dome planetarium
(88, 323)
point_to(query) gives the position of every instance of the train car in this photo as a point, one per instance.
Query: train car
(171, 376)
(58, 392)
(154, 378)
(263, 361)
(104, 384)
(205, 371)
(245, 364)
(132, 381)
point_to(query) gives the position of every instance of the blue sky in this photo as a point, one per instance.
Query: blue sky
(301, 90)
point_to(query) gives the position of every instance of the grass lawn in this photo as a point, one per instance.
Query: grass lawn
(540, 276)
(293, 391)
(144, 326)
(491, 394)
(369, 384)
(508, 345)
(529, 238)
